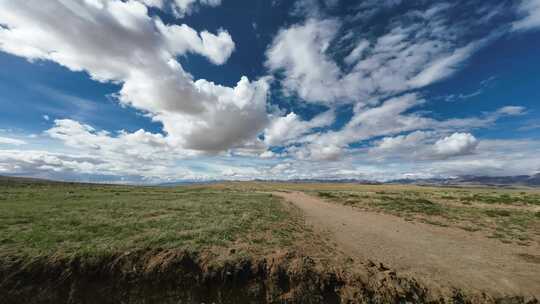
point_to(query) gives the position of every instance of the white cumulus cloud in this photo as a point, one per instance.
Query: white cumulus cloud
(456, 144)
(290, 127)
(118, 41)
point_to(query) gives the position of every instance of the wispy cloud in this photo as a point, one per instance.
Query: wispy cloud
(530, 12)
(11, 141)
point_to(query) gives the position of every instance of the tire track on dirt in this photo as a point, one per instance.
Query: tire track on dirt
(446, 257)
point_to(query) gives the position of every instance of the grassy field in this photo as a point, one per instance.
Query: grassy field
(48, 230)
(38, 219)
(75, 219)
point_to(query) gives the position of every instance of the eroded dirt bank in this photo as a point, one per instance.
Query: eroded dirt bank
(180, 277)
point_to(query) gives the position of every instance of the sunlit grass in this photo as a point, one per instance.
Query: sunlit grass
(71, 219)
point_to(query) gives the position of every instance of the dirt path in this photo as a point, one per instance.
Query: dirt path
(439, 255)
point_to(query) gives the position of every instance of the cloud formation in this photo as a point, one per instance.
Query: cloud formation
(491, 157)
(530, 10)
(187, 7)
(11, 141)
(408, 56)
(368, 85)
(381, 76)
(284, 129)
(456, 144)
(122, 44)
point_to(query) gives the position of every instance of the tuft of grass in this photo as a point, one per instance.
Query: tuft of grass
(470, 228)
(434, 222)
(326, 195)
(504, 198)
(448, 197)
(497, 212)
(411, 205)
(530, 258)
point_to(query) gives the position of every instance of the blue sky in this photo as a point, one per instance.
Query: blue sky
(150, 91)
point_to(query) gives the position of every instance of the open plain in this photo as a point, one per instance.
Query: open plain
(254, 242)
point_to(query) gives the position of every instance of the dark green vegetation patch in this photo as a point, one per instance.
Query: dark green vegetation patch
(412, 205)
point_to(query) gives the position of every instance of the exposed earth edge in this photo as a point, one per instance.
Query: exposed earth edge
(170, 276)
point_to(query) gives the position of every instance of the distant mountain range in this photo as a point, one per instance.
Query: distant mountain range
(518, 180)
(315, 181)
(17, 179)
(500, 181)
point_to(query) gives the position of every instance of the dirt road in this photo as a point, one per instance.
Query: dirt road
(439, 255)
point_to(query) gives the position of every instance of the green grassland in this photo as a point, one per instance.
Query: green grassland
(60, 240)
(43, 219)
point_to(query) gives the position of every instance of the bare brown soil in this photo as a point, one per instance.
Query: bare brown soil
(440, 257)
(171, 276)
